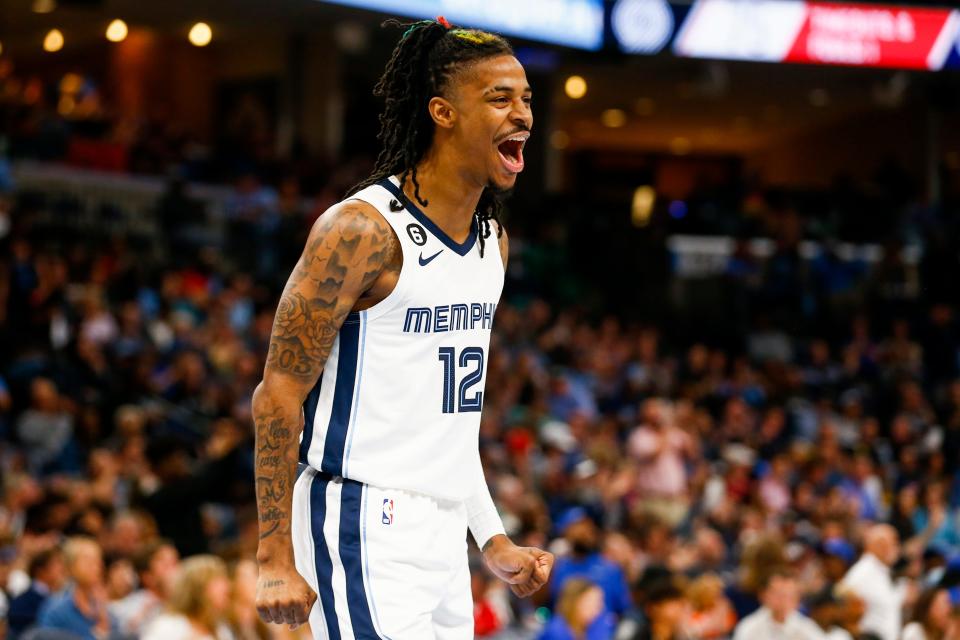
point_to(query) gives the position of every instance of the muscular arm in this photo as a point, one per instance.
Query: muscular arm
(348, 248)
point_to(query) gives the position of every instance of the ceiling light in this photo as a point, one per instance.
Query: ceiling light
(575, 87)
(641, 208)
(201, 34)
(53, 41)
(117, 31)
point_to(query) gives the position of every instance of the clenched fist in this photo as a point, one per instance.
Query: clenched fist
(283, 596)
(525, 569)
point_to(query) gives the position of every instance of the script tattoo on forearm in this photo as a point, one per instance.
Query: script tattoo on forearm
(353, 248)
(276, 466)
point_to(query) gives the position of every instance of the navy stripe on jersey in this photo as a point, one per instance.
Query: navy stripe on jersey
(309, 413)
(350, 556)
(318, 513)
(336, 436)
(460, 248)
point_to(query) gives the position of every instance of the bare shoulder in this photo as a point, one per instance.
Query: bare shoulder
(353, 234)
(349, 246)
(349, 219)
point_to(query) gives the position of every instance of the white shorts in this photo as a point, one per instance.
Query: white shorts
(386, 564)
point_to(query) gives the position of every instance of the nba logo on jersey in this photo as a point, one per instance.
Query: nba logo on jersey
(387, 511)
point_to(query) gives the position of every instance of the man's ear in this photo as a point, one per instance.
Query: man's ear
(442, 112)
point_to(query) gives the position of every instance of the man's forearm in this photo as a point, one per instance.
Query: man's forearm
(482, 516)
(275, 463)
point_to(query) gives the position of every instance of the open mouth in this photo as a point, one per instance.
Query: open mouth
(511, 152)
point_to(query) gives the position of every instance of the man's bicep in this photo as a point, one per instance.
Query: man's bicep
(345, 253)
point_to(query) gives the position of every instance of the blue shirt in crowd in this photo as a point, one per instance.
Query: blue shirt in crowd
(61, 612)
(602, 572)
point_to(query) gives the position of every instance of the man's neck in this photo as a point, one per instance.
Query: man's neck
(452, 197)
(778, 618)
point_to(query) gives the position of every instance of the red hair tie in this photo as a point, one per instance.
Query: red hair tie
(444, 22)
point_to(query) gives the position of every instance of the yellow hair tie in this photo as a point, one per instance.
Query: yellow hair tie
(477, 37)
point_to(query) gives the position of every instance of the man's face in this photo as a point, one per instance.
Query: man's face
(163, 568)
(54, 575)
(492, 101)
(781, 597)
(87, 569)
(582, 536)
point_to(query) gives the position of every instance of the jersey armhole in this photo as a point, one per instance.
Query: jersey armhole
(390, 301)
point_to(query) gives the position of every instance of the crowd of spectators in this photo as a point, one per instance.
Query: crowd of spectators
(798, 482)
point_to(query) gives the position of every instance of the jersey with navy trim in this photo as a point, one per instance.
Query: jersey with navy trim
(399, 401)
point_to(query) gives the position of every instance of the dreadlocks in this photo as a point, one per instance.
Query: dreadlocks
(423, 62)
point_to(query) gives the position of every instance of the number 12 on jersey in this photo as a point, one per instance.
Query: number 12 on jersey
(469, 356)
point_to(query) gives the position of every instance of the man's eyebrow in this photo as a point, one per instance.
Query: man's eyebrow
(505, 89)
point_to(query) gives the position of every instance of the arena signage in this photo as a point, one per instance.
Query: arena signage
(571, 23)
(821, 33)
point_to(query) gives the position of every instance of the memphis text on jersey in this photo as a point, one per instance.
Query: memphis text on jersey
(449, 317)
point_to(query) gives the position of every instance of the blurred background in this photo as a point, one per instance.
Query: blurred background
(725, 377)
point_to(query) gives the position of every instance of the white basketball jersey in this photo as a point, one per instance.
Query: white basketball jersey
(398, 404)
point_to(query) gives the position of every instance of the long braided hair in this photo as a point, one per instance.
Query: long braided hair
(428, 55)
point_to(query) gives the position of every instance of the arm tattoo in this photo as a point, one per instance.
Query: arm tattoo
(306, 326)
(346, 253)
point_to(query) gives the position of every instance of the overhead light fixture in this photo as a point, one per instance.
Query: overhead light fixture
(575, 87)
(641, 209)
(44, 6)
(117, 31)
(613, 118)
(53, 41)
(200, 34)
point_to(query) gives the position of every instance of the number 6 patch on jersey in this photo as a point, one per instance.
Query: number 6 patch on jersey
(387, 517)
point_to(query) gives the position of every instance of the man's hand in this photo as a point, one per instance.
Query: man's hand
(283, 596)
(525, 569)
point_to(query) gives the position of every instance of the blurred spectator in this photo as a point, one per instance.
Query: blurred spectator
(82, 608)
(46, 428)
(779, 617)
(710, 615)
(579, 614)
(660, 449)
(871, 579)
(825, 610)
(664, 611)
(199, 604)
(48, 575)
(586, 561)
(932, 618)
(245, 622)
(175, 492)
(156, 566)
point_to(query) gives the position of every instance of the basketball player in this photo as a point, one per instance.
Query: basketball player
(378, 356)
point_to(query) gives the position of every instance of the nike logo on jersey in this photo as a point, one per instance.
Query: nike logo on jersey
(425, 261)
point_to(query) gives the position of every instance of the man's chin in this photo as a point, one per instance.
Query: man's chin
(502, 189)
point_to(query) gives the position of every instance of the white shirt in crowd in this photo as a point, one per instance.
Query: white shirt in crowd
(836, 633)
(870, 579)
(173, 626)
(760, 625)
(913, 631)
